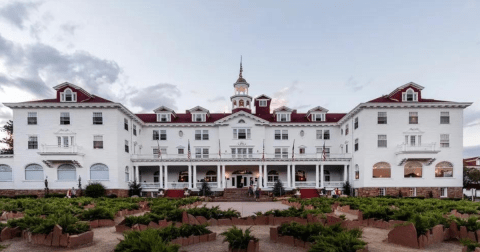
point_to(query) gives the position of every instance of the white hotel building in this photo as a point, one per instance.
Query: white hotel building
(397, 142)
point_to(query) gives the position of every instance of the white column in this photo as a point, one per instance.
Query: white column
(194, 176)
(219, 177)
(293, 176)
(160, 175)
(137, 171)
(344, 173)
(289, 180)
(265, 176)
(260, 177)
(316, 175)
(322, 185)
(224, 185)
(190, 177)
(166, 177)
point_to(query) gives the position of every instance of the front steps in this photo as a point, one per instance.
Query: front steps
(240, 195)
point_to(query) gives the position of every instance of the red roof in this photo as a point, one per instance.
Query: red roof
(90, 100)
(388, 99)
(471, 161)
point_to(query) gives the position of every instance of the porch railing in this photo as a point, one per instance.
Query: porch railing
(338, 184)
(211, 184)
(305, 184)
(150, 185)
(240, 156)
(177, 185)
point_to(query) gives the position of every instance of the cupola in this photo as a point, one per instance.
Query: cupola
(240, 99)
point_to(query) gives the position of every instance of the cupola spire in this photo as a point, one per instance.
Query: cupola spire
(241, 68)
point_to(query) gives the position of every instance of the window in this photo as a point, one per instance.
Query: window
(444, 117)
(300, 176)
(410, 95)
(242, 152)
(356, 144)
(5, 173)
(32, 142)
(327, 175)
(125, 124)
(413, 169)
(241, 121)
(262, 103)
(382, 191)
(34, 172)
(355, 125)
(318, 117)
(413, 118)
(126, 146)
(272, 176)
(159, 134)
(201, 134)
(412, 192)
(32, 118)
(241, 134)
(201, 152)
(443, 192)
(301, 150)
(199, 117)
(181, 151)
(382, 141)
(444, 140)
(183, 176)
(281, 152)
(68, 96)
(302, 133)
(326, 134)
(319, 134)
(65, 118)
(156, 136)
(341, 132)
(134, 130)
(66, 172)
(283, 117)
(163, 117)
(382, 170)
(98, 142)
(97, 118)
(99, 172)
(281, 134)
(320, 151)
(127, 174)
(346, 148)
(412, 140)
(382, 117)
(357, 172)
(211, 176)
(157, 154)
(444, 169)
(346, 130)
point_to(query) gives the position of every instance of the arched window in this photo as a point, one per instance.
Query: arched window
(183, 176)
(300, 176)
(127, 174)
(413, 169)
(326, 174)
(5, 173)
(381, 170)
(211, 176)
(66, 172)
(410, 95)
(34, 172)
(302, 133)
(444, 169)
(241, 103)
(241, 121)
(272, 176)
(234, 103)
(156, 176)
(99, 172)
(248, 103)
(357, 172)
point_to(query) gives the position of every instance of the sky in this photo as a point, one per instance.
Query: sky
(180, 54)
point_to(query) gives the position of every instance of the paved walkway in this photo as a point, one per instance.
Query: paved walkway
(248, 208)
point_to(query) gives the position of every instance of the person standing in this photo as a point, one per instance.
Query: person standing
(73, 193)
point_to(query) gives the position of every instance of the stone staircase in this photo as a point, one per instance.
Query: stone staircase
(239, 195)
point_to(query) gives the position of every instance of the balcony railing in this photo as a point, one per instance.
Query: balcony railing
(177, 185)
(338, 184)
(227, 156)
(59, 149)
(211, 184)
(429, 147)
(305, 184)
(150, 185)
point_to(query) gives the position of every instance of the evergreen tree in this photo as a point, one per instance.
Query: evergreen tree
(8, 140)
(347, 188)
(205, 190)
(134, 188)
(278, 189)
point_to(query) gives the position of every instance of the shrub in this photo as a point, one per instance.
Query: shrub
(112, 196)
(145, 241)
(55, 195)
(236, 238)
(134, 188)
(278, 189)
(347, 188)
(344, 241)
(95, 190)
(471, 245)
(25, 196)
(97, 213)
(205, 190)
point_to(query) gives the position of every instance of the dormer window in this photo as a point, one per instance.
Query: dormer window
(68, 96)
(262, 103)
(163, 117)
(283, 117)
(199, 117)
(318, 117)
(410, 96)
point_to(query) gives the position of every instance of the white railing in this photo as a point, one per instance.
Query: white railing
(271, 184)
(338, 184)
(430, 147)
(304, 184)
(150, 185)
(177, 185)
(241, 156)
(211, 184)
(71, 149)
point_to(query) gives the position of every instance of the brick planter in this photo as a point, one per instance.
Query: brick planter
(57, 239)
(253, 246)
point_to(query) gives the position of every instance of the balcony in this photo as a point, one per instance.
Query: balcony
(421, 148)
(423, 152)
(59, 150)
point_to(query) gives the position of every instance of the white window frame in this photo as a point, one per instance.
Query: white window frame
(412, 92)
(163, 151)
(127, 147)
(202, 135)
(63, 95)
(283, 117)
(199, 117)
(300, 152)
(262, 103)
(318, 117)
(33, 139)
(6, 173)
(443, 192)
(202, 152)
(355, 123)
(319, 134)
(444, 117)
(242, 152)
(125, 124)
(33, 168)
(134, 129)
(63, 118)
(411, 116)
(99, 139)
(32, 115)
(283, 134)
(382, 115)
(382, 191)
(412, 192)
(127, 174)
(444, 141)
(326, 134)
(162, 117)
(97, 118)
(281, 152)
(356, 147)
(320, 151)
(247, 132)
(383, 139)
(66, 168)
(100, 169)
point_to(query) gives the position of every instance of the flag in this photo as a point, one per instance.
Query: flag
(324, 153)
(263, 153)
(159, 150)
(189, 155)
(219, 149)
(293, 151)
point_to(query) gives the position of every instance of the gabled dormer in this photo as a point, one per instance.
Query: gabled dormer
(164, 114)
(199, 114)
(317, 114)
(283, 114)
(410, 92)
(262, 105)
(68, 92)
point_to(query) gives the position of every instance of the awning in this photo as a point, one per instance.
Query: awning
(50, 163)
(427, 161)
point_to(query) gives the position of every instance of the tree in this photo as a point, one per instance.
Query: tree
(470, 176)
(8, 140)
(347, 188)
(278, 189)
(134, 188)
(205, 190)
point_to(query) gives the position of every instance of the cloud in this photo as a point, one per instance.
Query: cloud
(149, 98)
(5, 114)
(69, 28)
(472, 151)
(355, 85)
(40, 26)
(281, 97)
(471, 118)
(217, 99)
(16, 13)
(36, 67)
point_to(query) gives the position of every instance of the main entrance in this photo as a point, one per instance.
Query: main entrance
(242, 178)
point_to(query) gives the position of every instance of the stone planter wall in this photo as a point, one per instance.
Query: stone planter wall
(10, 233)
(58, 239)
(193, 205)
(253, 246)
(10, 215)
(185, 241)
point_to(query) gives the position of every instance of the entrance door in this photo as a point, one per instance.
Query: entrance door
(239, 181)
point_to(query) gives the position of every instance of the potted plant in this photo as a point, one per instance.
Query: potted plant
(239, 241)
(186, 192)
